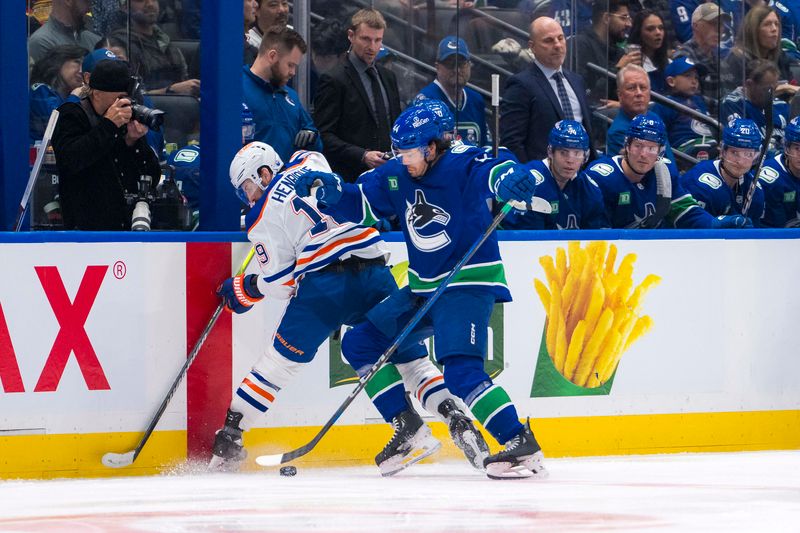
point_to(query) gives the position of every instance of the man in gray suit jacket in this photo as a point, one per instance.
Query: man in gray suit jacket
(541, 95)
(357, 102)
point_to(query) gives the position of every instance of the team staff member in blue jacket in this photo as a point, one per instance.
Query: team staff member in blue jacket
(279, 116)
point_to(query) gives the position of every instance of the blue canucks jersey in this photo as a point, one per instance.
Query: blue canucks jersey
(471, 117)
(441, 215)
(627, 203)
(681, 128)
(781, 194)
(705, 183)
(579, 205)
(735, 105)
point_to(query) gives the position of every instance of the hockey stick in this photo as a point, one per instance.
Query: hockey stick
(280, 458)
(119, 460)
(751, 191)
(37, 166)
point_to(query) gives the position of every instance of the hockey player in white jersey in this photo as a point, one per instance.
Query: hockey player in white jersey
(332, 273)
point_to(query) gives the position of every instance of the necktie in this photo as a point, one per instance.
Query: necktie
(563, 97)
(377, 97)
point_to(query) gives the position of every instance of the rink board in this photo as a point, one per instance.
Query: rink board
(92, 334)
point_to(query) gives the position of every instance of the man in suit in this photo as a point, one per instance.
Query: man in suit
(357, 102)
(541, 95)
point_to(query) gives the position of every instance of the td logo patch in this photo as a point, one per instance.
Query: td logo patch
(393, 183)
(624, 198)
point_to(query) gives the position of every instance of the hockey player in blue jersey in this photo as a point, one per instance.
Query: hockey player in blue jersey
(453, 70)
(576, 200)
(780, 179)
(440, 193)
(331, 272)
(640, 190)
(720, 186)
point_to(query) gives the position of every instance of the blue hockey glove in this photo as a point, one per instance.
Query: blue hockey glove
(515, 184)
(733, 222)
(240, 293)
(330, 186)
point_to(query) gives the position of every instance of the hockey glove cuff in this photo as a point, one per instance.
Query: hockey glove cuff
(239, 293)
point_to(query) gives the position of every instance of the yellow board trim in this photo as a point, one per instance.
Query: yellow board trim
(78, 455)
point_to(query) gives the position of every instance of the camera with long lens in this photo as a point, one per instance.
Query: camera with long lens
(152, 118)
(159, 208)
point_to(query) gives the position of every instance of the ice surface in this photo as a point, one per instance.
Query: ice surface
(684, 492)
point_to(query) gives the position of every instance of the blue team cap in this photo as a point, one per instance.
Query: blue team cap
(91, 59)
(451, 45)
(682, 65)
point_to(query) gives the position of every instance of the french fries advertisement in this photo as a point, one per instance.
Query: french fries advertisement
(593, 316)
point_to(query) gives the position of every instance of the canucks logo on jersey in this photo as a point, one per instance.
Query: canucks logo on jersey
(420, 215)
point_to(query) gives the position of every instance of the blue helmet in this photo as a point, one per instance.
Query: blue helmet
(568, 134)
(416, 127)
(742, 133)
(445, 118)
(647, 127)
(792, 132)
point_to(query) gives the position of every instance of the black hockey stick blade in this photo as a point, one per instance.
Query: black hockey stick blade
(120, 460)
(751, 190)
(281, 458)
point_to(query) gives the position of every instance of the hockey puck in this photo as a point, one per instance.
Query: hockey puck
(288, 471)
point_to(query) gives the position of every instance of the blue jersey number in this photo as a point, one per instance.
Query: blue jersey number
(320, 226)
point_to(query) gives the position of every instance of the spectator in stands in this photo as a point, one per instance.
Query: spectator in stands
(750, 100)
(186, 165)
(269, 13)
(107, 16)
(280, 119)
(453, 70)
(649, 33)
(53, 79)
(153, 57)
(758, 38)
(684, 132)
(329, 47)
(541, 95)
(720, 186)
(66, 25)
(101, 152)
(572, 23)
(357, 102)
(116, 46)
(602, 45)
(780, 179)
(633, 90)
(704, 49)
(250, 51)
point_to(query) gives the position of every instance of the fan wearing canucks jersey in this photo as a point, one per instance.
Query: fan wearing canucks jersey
(440, 193)
(640, 190)
(453, 70)
(780, 179)
(575, 199)
(720, 186)
(331, 272)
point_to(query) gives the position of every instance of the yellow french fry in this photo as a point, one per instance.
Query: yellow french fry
(592, 350)
(622, 293)
(561, 265)
(572, 250)
(611, 259)
(571, 285)
(577, 309)
(561, 345)
(543, 292)
(574, 350)
(643, 325)
(595, 307)
(626, 266)
(650, 281)
(553, 317)
(550, 272)
(608, 363)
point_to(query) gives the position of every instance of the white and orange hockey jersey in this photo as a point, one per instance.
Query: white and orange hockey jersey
(292, 237)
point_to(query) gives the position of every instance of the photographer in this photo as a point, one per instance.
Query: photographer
(101, 152)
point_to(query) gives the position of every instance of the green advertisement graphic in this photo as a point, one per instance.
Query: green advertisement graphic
(548, 381)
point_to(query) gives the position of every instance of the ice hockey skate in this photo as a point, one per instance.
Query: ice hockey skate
(521, 458)
(412, 441)
(228, 452)
(464, 434)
